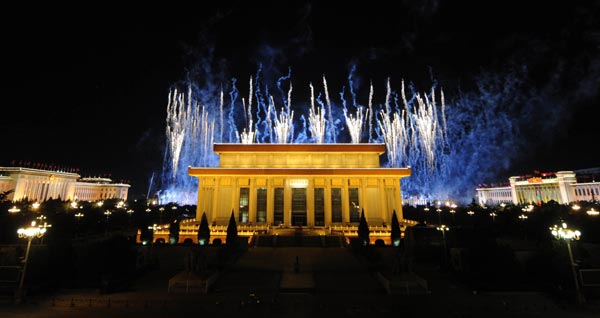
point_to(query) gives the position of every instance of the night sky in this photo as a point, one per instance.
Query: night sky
(89, 89)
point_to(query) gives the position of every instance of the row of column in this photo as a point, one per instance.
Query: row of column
(41, 188)
(218, 197)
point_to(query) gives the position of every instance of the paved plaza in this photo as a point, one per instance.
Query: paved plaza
(289, 282)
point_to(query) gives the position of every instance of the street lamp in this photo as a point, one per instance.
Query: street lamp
(35, 205)
(14, 209)
(566, 234)
(161, 209)
(443, 228)
(29, 233)
(453, 212)
(107, 213)
(592, 212)
(528, 208)
(523, 217)
(78, 217)
(129, 213)
(42, 223)
(493, 215)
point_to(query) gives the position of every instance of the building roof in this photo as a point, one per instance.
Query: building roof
(401, 172)
(376, 148)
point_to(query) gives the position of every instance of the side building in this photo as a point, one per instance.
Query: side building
(314, 185)
(562, 187)
(41, 185)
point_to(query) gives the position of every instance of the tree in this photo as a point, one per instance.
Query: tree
(363, 229)
(232, 233)
(4, 195)
(203, 231)
(396, 234)
(174, 232)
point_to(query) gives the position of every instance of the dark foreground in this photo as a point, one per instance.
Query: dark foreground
(263, 282)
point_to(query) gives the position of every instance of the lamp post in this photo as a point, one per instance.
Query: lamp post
(161, 209)
(42, 223)
(129, 214)
(493, 215)
(453, 213)
(107, 213)
(443, 228)
(14, 209)
(566, 234)
(29, 233)
(78, 217)
(523, 217)
(424, 218)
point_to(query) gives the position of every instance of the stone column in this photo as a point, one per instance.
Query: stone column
(310, 203)
(327, 201)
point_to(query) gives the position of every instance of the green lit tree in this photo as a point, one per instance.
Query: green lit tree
(203, 231)
(363, 229)
(232, 232)
(396, 234)
(174, 232)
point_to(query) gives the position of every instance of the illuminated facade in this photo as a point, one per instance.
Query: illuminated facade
(561, 187)
(314, 185)
(41, 185)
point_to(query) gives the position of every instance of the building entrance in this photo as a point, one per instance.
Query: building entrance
(298, 206)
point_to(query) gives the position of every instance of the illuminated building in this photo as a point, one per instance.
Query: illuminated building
(313, 185)
(561, 187)
(41, 185)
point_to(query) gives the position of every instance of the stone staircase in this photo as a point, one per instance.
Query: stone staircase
(270, 240)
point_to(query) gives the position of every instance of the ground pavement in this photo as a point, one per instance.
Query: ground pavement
(331, 282)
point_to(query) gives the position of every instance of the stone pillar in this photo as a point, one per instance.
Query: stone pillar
(565, 180)
(270, 201)
(252, 196)
(200, 199)
(513, 190)
(398, 199)
(287, 203)
(345, 203)
(310, 202)
(327, 201)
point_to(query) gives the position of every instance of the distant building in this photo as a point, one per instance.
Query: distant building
(562, 187)
(41, 185)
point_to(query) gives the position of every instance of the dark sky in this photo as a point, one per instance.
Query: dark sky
(87, 87)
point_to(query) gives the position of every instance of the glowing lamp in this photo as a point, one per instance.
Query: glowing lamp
(31, 231)
(14, 209)
(563, 232)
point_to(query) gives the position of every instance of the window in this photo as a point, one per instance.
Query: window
(299, 206)
(244, 204)
(319, 207)
(261, 205)
(336, 205)
(354, 204)
(278, 206)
